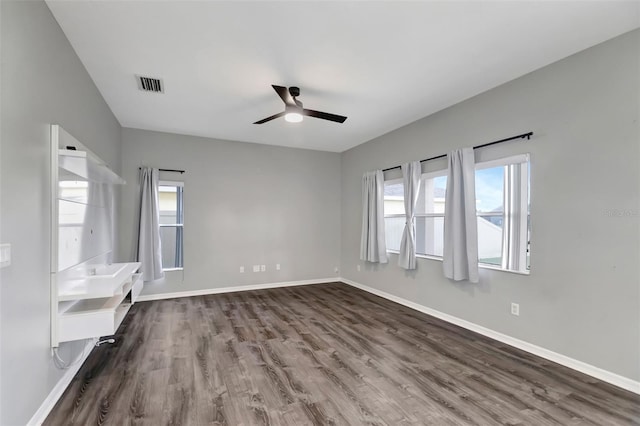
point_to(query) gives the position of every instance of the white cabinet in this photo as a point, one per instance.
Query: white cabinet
(95, 305)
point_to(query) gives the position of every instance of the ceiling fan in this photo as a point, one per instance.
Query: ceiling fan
(293, 110)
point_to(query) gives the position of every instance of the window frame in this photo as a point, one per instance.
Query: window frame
(515, 234)
(179, 226)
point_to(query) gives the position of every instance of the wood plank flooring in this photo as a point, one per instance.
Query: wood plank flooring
(324, 354)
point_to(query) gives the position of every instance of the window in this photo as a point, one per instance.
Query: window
(393, 213)
(429, 214)
(170, 201)
(502, 204)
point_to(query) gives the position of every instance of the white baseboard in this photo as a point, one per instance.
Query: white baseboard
(598, 373)
(160, 296)
(50, 401)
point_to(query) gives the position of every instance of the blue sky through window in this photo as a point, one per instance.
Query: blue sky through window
(440, 182)
(490, 189)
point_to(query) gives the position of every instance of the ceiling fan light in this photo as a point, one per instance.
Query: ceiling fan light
(293, 117)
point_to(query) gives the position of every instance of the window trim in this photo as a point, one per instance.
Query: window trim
(505, 161)
(171, 183)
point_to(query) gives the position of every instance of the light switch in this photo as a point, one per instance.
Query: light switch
(5, 255)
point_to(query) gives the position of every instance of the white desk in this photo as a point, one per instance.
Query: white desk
(95, 306)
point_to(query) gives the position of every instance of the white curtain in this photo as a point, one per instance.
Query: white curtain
(411, 179)
(460, 257)
(372, 243)
(149, 248)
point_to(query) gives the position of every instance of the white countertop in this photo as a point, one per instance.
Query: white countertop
(93, 287)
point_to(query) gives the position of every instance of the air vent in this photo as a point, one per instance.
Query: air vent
(150, 84)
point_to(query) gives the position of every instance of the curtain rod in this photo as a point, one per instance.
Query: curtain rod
(167, 170)
(522, 136)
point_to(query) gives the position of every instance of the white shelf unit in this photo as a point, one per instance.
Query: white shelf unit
(100, 309)
(86, 165)
(95, 286)
(89, 296)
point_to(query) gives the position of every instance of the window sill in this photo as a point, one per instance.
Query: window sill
(495, 268)
(172, 269)
(480, 265)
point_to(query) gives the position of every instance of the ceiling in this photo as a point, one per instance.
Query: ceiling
(383, 64)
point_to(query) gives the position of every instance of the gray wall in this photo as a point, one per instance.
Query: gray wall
(43, 82)
(245, 204)
(582, 298)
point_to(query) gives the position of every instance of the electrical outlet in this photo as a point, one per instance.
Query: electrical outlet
(256, 268)
(277, 266)
(358, 268)
(336, 270)
(515, 309)
(242, 269)
(263, 268)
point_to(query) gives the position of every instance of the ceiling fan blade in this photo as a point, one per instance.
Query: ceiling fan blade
(324, 115)
(273, 117)
(283, 92)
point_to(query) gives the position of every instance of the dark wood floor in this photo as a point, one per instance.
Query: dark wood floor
(322, 354)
